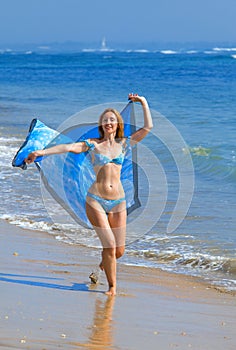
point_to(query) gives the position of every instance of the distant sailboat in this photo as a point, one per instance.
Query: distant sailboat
(103, 45)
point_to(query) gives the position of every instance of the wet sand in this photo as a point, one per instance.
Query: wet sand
(47, 302)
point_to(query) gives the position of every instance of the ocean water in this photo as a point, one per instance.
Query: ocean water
(191, 92)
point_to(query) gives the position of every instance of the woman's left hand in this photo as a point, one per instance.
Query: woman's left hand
(136, 98)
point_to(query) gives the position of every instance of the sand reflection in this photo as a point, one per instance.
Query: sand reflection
(101, 336)
(102, 323)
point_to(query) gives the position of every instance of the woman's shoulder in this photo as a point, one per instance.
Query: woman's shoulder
(93, 140)
(91, 143)
(127, 141)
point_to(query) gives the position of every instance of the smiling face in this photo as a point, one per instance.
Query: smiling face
(111, 122)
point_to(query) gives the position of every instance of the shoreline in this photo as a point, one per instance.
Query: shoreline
(95, 251)
(43, 307)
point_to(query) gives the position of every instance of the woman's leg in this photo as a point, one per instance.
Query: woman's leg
(117, 220)
(99, 220)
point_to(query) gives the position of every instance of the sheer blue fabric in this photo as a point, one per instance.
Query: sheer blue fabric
(68, 177)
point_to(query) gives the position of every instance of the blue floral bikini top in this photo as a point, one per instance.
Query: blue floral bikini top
(101, 159)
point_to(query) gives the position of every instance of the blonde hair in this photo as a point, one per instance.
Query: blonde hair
(120, 123)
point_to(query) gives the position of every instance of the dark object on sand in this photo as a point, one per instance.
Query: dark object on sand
(93, 277)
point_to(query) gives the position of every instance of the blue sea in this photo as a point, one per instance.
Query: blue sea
(192, 93)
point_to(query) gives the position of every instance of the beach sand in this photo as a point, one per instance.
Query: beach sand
(47, 302)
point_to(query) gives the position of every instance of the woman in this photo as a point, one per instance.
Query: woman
(105, 203)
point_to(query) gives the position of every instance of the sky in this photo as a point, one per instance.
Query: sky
(45, 21)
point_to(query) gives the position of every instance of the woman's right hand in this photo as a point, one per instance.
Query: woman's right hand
(33, 155)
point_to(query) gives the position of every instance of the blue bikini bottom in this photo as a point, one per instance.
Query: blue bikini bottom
(107, 204)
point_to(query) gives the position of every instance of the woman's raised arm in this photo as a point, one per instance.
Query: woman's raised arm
(147, 118)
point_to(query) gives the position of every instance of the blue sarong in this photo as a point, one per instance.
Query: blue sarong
(68, 177)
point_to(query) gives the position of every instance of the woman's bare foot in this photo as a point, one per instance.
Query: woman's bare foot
(111, 292)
